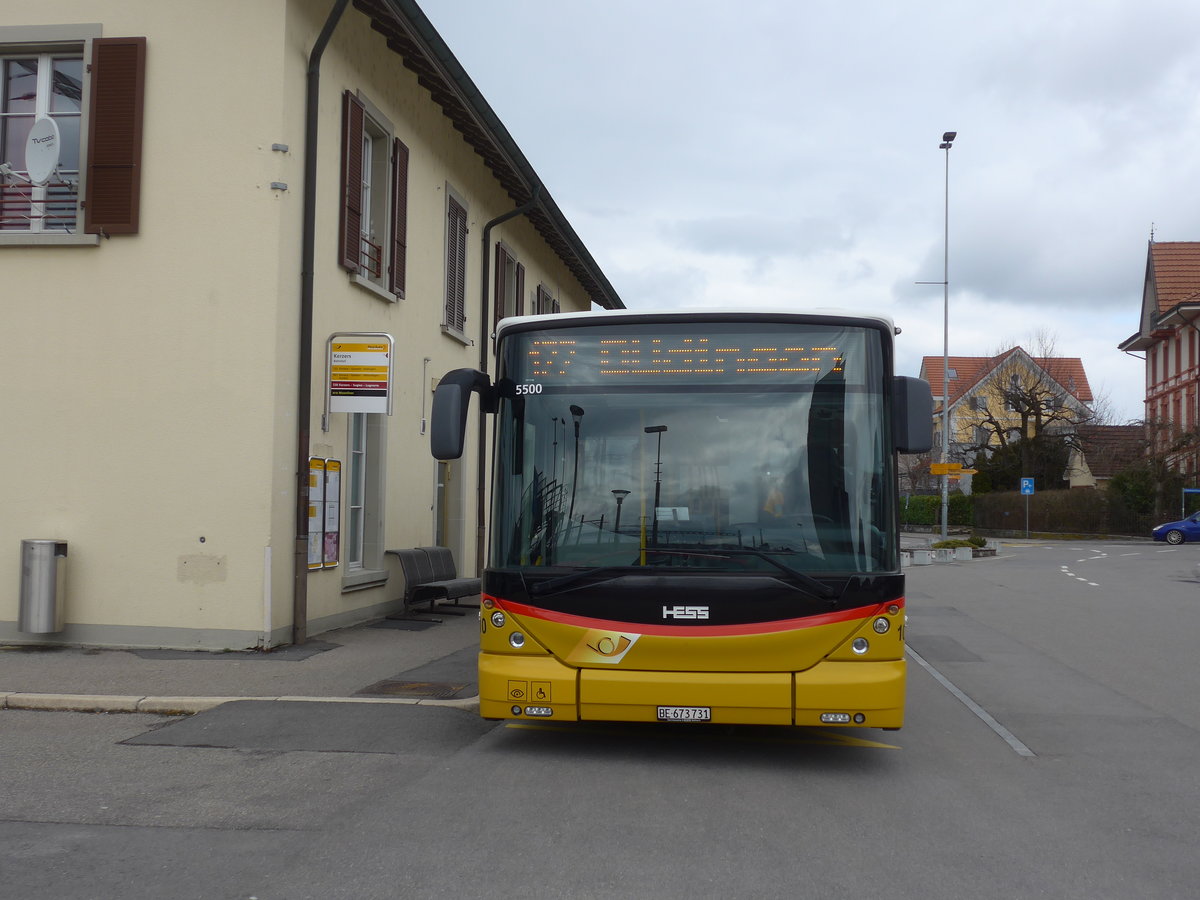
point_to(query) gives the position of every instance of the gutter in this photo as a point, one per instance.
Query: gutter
(304, 387)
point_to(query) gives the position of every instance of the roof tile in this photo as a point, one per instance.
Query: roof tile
(968, 371)
(1176, 272)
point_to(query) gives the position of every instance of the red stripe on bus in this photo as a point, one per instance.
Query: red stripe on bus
(850, 615)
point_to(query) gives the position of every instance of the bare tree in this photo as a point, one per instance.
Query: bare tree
(1029, 394)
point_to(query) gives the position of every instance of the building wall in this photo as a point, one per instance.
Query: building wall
(153, 377)
(1172, 372)
(140, 371)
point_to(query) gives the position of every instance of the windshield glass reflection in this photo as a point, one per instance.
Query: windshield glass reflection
(643, 472)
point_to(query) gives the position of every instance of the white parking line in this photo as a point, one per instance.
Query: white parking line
(983, 714)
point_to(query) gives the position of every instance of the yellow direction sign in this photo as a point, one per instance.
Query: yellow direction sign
(945, 468)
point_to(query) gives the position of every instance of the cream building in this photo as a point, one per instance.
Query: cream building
(171, 287)
(1053, 393)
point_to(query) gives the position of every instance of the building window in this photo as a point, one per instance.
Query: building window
(510, 286)
(544, 303)
(96, 110)
(48, 85)
(373, 228)
(363, 551)
(456, 265)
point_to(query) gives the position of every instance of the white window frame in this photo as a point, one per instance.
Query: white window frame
(366, 455)
(54, 41)
(376, 226)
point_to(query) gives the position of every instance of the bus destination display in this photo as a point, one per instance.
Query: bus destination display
(677, 357)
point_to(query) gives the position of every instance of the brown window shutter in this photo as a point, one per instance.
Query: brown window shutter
(399, 217)
(350, 221)
(498, 293)
(519, 300)
(114, 163)
(456, 265)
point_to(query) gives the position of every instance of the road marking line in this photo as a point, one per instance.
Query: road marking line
(986, 717)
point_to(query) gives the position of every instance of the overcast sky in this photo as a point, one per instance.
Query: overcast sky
(785, 154)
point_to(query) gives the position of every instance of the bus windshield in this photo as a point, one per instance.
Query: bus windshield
(727, 446)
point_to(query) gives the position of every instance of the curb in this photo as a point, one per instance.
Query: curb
(186, 706)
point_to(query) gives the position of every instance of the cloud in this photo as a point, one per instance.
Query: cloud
(779, 154)
(758, 237)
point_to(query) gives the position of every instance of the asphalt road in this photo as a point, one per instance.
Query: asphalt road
(1048, 752)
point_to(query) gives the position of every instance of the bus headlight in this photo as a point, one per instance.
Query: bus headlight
(498, 619)
(881, 625)
(517, 640)
(860, 646)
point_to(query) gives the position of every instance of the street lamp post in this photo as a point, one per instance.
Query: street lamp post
(620, 494)
(656, 429)
(947, 141)
(577, 415)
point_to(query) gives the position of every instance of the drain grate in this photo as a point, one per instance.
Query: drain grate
(422, 690)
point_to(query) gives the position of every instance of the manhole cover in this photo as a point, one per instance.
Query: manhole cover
(432, 690)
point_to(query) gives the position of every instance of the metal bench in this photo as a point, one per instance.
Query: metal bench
(430, 576)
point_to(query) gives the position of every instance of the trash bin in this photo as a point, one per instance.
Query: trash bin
(43, 584)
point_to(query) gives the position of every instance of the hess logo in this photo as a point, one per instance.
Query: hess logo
(685, 612)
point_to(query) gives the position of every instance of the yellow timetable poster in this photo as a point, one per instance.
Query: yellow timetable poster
(316, 510)
(333, 512)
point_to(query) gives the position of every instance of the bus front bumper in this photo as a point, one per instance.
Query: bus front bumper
(868, 694)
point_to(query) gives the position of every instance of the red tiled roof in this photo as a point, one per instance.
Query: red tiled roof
(1111, 448)
(1176, 272)
(968, 371)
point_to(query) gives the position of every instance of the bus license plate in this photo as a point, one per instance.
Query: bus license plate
(685, 713)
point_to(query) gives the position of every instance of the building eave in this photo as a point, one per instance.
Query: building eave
(1137, 342)
(1185, 313)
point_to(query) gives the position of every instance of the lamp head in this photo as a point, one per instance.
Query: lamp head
(655, 429)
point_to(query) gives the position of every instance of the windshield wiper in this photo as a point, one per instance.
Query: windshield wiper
(807, 582)
(563, 581)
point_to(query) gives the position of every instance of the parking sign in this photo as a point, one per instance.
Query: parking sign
(1026, 485)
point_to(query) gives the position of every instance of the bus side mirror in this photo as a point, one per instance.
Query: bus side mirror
(451, 399)
(912, 414)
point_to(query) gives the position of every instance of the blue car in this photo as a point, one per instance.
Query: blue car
(1177, 532)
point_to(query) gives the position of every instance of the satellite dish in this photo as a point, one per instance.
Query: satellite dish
(42, 149)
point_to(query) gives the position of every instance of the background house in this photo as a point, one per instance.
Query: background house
(1007, 401)
(1105, 450)
(239, 186)
(1167, 334)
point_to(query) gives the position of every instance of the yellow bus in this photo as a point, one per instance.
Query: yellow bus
(693, 517)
